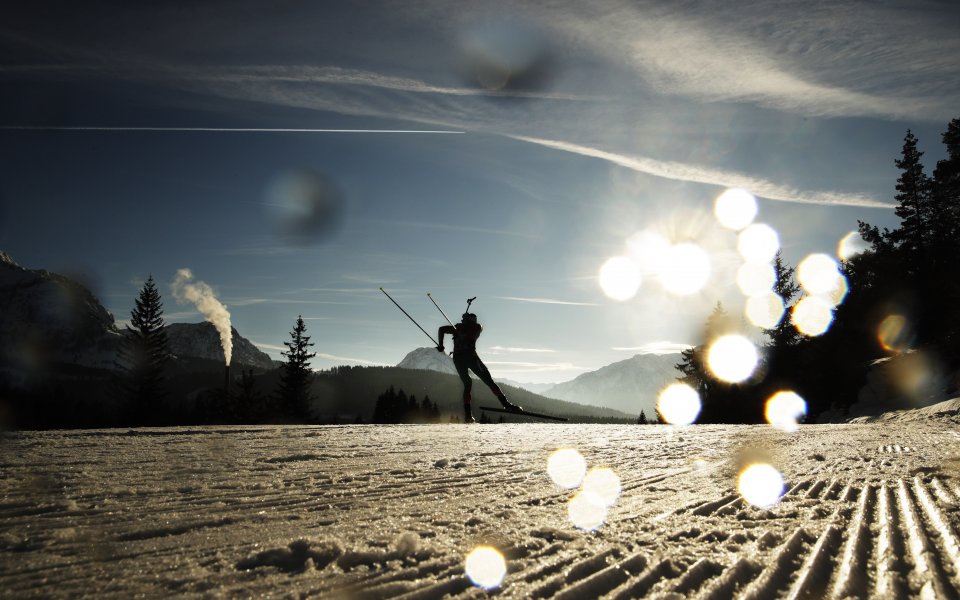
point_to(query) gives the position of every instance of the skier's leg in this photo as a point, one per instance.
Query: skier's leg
(484, 374)
(462, 370)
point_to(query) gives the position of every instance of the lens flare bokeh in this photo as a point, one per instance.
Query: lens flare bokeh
(760, 485)
(586, 512)
(818, 274)
(620, 278)
(785, 410)
(895, 333)
(812, 316)
(647, 249)
(735, 208)
(758, 243)
(685, 269)
(732, 358)
(851, 245)
(486, 567)
(566, 468)
(679, 404)
(764, 310)
(755, 278)
(603, 485)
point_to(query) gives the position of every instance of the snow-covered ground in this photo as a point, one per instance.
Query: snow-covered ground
(869, 510)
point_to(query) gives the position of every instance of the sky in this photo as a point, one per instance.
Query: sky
(298, 156)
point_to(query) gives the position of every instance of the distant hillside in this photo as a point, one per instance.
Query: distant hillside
(629, 385)
(353, 391)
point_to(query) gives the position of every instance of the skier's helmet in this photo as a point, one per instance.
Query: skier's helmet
(469, 318)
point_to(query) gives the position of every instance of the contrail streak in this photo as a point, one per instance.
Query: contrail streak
(221, 129)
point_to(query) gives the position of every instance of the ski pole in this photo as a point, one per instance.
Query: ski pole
(435, 343)
(440, 309)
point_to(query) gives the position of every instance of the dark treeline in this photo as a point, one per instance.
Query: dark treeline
(396, 407)
(904, 293)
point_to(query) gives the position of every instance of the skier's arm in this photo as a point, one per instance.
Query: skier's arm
(440, 332)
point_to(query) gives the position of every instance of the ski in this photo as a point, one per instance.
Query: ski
(523, 413)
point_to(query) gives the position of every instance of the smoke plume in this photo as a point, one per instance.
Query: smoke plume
(185, 289)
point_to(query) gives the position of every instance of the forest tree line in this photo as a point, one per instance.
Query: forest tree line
(910, 274)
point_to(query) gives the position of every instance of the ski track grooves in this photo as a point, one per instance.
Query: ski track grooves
(172, 501)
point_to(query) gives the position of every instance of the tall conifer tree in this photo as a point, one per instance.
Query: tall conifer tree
(142, 354)
(296, 376)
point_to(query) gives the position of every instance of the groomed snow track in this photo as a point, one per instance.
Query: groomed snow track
(869, 511)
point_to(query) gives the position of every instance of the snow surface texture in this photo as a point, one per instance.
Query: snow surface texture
(869, 510)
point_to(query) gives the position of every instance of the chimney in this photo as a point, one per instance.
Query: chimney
(226, 379)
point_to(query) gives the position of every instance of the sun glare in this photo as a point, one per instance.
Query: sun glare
(685, 269)
(647, 249)
(755, 278)
(486, 567)
(679, 404)
(566, 468)
(785, 410)
(764, 310)
(732, 358)
(761, 485)
(812, 316)
(620, 278)
(735, 208)
(758, 243)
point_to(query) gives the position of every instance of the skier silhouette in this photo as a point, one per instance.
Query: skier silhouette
(465, 359)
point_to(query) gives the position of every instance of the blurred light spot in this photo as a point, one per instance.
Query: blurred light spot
(755, 278)
(620, 278)
(760, 485)
(679, 404)
(304, 205)
(647, 249)
(785, 410)
(818, 274)
(505, 53)
(566, 468)
(918, 376)
(839, 292)
(586, 512)
(735, 208)
(895, 333)
(758, 243)
(603, 484)
(812, 315)
(851, 245)
(685, 269)
(486, 567)
(732, 358)
(764, 310)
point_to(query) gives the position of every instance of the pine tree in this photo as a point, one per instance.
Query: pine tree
(945, 201)
(142, 355)
(296, 376)
(913, 203)
(642, 419)
(784, 334)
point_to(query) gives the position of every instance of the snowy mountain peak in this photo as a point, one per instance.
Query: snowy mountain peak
(7, 259)
(428, 359)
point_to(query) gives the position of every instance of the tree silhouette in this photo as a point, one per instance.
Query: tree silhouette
(247, 399)
(141, 356)
(293, 393)
(784, 334)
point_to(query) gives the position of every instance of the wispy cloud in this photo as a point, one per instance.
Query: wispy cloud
(499, 349)
(273, 347)
(546, 301)
(687, 172)
(361, 361)
(534, 367)
(662, 347)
